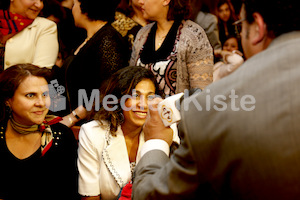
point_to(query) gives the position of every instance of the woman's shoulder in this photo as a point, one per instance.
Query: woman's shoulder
(94, 129)
(147, 28)
(143, 32)
(42, 25)
(41, 21)
(62, 130)
(192, 27)
(192, 31)
(107, 33)
(123, 24)
(60, 127)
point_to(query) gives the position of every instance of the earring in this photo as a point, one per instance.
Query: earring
(8, 109)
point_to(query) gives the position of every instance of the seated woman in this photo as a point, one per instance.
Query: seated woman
(233, 44)
(34, 147)
(109, 146)
(23, 33)
(103, 52)
(229, 58)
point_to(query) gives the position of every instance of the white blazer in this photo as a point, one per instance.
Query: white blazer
(36, 44)
(103, 161)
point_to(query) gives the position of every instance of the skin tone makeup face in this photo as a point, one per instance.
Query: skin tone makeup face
(26, 8)
(31, 101)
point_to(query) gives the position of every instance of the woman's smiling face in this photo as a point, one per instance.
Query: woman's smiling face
(26, 8)
(137, 106)
(31, 101)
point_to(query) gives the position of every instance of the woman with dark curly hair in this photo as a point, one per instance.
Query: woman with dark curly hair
(174, 48)
(109, 146)
(103, 52)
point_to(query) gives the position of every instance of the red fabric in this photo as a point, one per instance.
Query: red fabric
(42, 127)
(48, 138)
(126, 192)
(47, 147)
(11, 23)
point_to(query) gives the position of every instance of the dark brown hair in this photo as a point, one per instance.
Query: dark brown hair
(179, 10)
(99, 10)
(126, 8)
(121, 83)
(280, 16)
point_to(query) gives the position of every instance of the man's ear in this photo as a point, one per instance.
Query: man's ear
(259, 28)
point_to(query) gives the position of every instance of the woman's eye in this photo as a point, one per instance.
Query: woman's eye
(151, 97)
(46, 94)
(30, 95)
(135, 95)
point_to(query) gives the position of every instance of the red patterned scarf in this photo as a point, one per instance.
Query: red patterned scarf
(11, 24)
(47, 135)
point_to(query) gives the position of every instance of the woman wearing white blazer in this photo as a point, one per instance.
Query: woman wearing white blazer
(109, 146)
(25, 37)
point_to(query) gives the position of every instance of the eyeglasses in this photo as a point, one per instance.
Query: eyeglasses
(238, 26)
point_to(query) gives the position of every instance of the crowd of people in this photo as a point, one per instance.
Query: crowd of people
(104, 67)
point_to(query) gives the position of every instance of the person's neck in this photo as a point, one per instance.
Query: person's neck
(12, 133)
(93, 26)
(130, 131)
(138, 17)
(163, 27)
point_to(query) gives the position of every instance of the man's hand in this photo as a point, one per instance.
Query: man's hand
(154, 127)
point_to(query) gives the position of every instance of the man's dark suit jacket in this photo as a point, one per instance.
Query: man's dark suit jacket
(236, 154)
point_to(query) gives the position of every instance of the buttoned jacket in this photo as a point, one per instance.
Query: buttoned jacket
(103, 162)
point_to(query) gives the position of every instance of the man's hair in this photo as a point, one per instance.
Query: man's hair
(280, 16)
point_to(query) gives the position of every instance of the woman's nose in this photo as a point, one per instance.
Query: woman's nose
(143, 103)
(40, 102)
(38, 3)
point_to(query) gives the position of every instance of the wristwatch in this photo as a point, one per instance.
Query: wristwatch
(75, 115)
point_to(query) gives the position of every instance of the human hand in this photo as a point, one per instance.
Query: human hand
(231, 61)
(70, 119)
(154, 127)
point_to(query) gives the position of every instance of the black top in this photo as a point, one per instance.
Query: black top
(105, 53)
(51, 177)
(166, 48)
(231, 31)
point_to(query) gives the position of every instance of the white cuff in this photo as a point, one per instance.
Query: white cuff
(155, 144)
